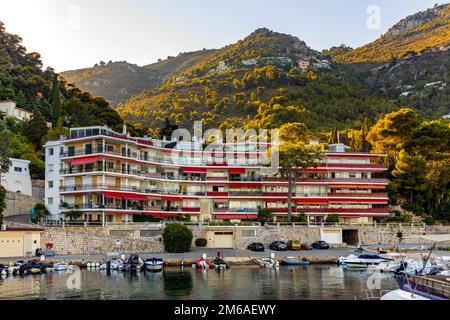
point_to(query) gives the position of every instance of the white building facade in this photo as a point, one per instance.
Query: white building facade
(52, 167)
(10, 108)
(18, 178)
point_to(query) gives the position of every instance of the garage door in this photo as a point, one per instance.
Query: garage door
(11, 246)
(331, 235)
(223, 240)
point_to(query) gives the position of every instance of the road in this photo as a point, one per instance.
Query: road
(197, 253)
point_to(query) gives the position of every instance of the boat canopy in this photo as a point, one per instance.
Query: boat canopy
(113, 255)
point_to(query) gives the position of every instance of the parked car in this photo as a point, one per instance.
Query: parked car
(322, 245)
(294, 245)
(307, 246)
(278, 246)
(256, 247)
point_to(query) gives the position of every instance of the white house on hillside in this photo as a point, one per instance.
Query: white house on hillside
(18, 178)
(10, 108)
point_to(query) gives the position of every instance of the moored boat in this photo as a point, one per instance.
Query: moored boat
(114, 262)
(266, 262)
(295, 261)
(60, 266)
(154, 265)
(203, 263)
(362, 262)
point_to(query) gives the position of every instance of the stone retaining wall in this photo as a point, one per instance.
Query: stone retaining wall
(145, 239)
(72, 241)
(17, 204)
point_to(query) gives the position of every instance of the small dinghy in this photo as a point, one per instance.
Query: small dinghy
(60, 266)
(203, 263)
(220, 264)
(154, 265)
(266, 262)
(295, 261)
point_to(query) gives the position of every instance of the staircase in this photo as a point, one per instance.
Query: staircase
(262, 237)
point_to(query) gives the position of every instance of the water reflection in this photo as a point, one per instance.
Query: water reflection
(313, 282)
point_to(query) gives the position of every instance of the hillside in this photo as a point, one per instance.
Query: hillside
(264, 80)
(118, 81)
(424, 31)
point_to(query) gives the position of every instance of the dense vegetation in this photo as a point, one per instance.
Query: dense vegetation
(413, 35)
(48, 96)
(265, 94)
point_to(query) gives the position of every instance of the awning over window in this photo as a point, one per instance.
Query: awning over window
(166, 198)
(192, 170)
(243, 184)
(237, 171)
(84, 160)
(125, 196)
(236, 216)
(154, 215)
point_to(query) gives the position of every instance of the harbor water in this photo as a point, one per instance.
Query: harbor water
(317, 282)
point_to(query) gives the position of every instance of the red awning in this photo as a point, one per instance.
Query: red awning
(237, 171)
(243, 184)
(155, 215)
(166, 198)
(236, 216)
(84, 160)
(153, 198)
(220, 200)
(192, 170)
(170, 215)
(125, 196)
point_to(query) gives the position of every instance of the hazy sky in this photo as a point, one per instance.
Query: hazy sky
(72, 34)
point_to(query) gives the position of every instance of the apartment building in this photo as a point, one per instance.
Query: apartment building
(113, 177)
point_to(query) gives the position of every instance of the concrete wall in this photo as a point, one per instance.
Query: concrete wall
(17, 203)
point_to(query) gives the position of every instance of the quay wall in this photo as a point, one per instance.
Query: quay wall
(145, 238)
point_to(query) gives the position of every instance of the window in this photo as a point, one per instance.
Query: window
(51, 168)
(50, 201)
(50, 151)
(17, 169)
(50, 184)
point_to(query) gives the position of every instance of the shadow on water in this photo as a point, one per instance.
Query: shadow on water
(178, 284)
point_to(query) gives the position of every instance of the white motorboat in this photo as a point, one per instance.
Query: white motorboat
(114, 262)
(362, 262)
(387, 266)
(60, 266)
(267, 262)
(154, 265)
(402, 295)
(414, 267)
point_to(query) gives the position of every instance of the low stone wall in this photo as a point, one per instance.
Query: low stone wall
(73, 241)
(17, 204)
(146, 239)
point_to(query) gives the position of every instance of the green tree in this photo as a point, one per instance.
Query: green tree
(2, 202)
(296, 156)
(177, 238)
(5, 148)
(391, 132)
(265, 215)
(36, 128)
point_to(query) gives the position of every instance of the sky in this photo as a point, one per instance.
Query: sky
(72, 34)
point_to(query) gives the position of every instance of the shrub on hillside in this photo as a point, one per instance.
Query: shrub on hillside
(177, 238)
(201, 243)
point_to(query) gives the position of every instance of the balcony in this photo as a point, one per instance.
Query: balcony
(101, 188)
(246, 193)
(358, 195)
